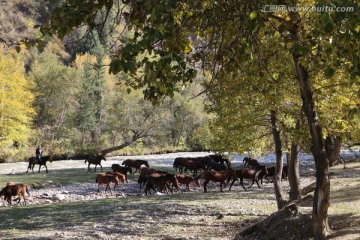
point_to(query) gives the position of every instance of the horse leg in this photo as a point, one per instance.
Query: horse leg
(108, 187)
(147, 189)
(101, 166)
(257, 182)
(205, 183)
(252, 182)
(232, 183)
(39, 168)
(95, 171)
(221, 185)
(89, 169)
(241, 182)
(32, 167)
(46, 168)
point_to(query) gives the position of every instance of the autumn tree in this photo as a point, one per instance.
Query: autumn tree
(16, 100)
(178, 37)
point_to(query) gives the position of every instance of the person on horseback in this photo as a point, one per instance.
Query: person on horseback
(38, 153)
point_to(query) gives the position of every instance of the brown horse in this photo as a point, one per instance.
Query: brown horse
(42, 162)
(271, 173)
(135, 164)
(124, 170)
(161, 182)
(220, 159)
(96, 160)
(103, 178)
(187, 180)
(120, 178)
(250, 162)
(178, 163)
(192, 165)
(218, 176)
(212, 165)
(247, 173)
(147, 171)
(14, 190)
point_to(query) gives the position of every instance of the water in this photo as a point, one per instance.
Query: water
(165, 160)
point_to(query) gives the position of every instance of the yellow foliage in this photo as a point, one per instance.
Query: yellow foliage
(15, 100)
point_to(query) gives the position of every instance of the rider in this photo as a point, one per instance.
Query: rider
(38, 153)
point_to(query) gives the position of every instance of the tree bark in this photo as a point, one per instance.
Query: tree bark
(322, 191)
(293, 173)
(333, 147)
(321, 200)
(279, 161)
(293, 168)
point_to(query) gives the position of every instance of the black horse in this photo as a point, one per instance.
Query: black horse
(41, 162)
(96, 160)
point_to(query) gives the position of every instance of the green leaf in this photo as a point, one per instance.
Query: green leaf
(329, 72)
(253, 15)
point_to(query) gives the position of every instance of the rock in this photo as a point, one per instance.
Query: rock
(58, 197)
(220, 216)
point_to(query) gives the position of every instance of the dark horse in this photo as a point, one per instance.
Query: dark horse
(96, 160)
(252, 174)
(250, 162)
(124, 170)
(41, 162)
(135, 164)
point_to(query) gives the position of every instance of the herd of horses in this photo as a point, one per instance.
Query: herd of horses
(211, 168)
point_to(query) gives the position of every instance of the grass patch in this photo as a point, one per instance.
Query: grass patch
(56, 178)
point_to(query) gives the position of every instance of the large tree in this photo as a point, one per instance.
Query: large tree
(178, 37)
(16, 100)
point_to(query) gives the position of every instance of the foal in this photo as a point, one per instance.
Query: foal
(187, 179)
(13, 189)
(162, 182)
(103, 178)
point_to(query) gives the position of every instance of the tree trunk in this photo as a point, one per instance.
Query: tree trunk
(279, 161)
(293, 173)
(333, 147)
(293, 167)
(125, 144)
(322, 191)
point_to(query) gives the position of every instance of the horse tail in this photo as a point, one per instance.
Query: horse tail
(86, 160)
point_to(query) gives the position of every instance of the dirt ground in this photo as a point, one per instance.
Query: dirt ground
(187, 215)
(344, 211)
